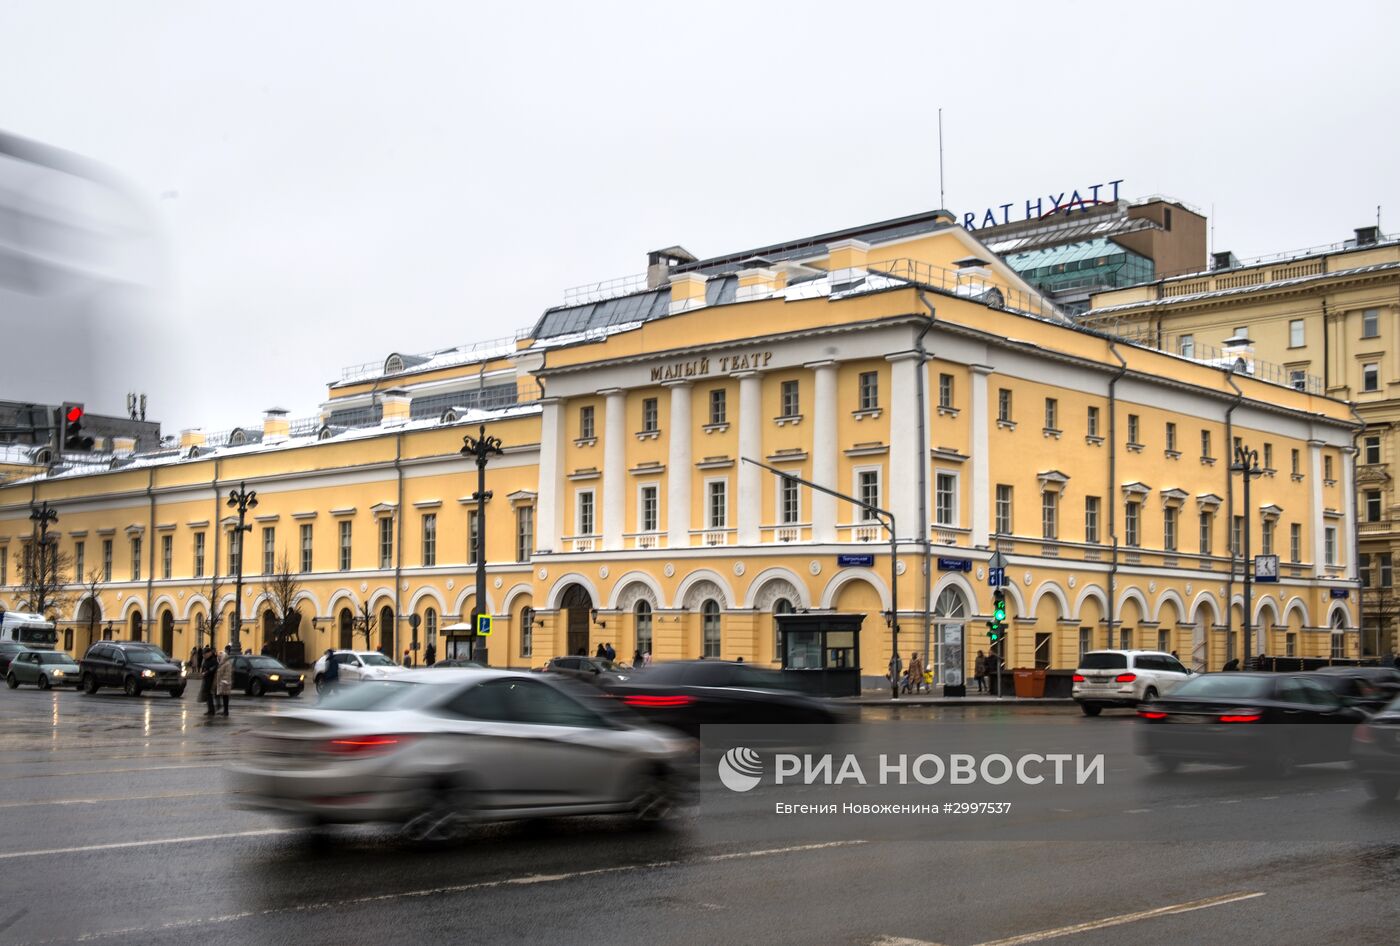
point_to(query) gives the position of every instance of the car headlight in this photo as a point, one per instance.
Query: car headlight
(57, 673)
(301, 678)
(148, 673)
(274, 677)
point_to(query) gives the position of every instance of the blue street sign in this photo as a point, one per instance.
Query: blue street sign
(1340, 592)
(855, 561)
(954, 565)
(483, 625)
(996, 577)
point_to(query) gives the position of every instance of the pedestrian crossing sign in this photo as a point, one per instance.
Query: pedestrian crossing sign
(483, 625)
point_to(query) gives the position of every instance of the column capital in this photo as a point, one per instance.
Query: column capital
(981, 369)
(825, 363)
(610, 392)
(903, 356)
(741, 375)
(678, 383)
(550, 401)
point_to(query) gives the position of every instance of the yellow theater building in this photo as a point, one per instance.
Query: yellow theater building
(899, 363)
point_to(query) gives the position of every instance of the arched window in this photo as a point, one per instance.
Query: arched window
(950, 617)
(709, 612)
(430, 626)
(781, 606)
(1339, 640)
(643, 615)
(527, 632)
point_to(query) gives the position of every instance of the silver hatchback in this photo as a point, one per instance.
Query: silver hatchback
(433, 750)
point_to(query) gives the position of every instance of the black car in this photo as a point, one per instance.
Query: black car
(596, 670)
(688, 694)
(1370, 688)
(258, 675)
(1375, 752)
(135, 666)
(1264, 720)
(8, 649)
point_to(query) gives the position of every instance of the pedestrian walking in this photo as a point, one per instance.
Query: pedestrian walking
(896, 669)
(637, 659)
(979, 672)
(609, 651)
(602, 653)
(208, 666)
(223, 680)
(407, 658)
(430, 655)
(646, 659)
(915, 676)
(330, 679)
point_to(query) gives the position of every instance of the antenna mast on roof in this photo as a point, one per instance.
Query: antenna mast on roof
(942, 204)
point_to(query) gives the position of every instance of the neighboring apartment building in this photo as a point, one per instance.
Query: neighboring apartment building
(1328, 319)
(900, 363)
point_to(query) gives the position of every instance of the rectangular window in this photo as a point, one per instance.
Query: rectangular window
(1004, 405)
(1339, 645)
(473, 534)
(1169, 514)
(1329, 545)
(1092, 428)
(868, 491)
(1186, 346)
(1126, 638)
(1298, 379)
(1370, 323)
(199, 555)
(1327, 467)
(1164, 640)
(1294, 460)
(1266, 537)
(167, 556)
(717, 504)
(791, 406)
(585, 422)
(135, 558)
(386, 542)
(650, 421)
(1050, 514)
(527, 632)
(869, 390)
(1295, 333)
(585, 512)
(1373, 505)
(1268, 456)
(1052, 414)
(945, 390)
(106, 559)
(1091, 519)
(429, 539)
(1363, 570)
(1235, 447)
(1237, 535)
(1132, 536)
(269, 556)
(345, 545)
(1295, 542)
(1386, 569)
(719, 408)
(1207, 527)
(1372, 448)
(524, 532)
(306, 547)
(1205, 444)
(1290, 645)
(1371, 377)
(5, 566)
(1086, 640)
(945, 496)
(789, 501)
(647, 511)
(79, 563)
(1171, 437)
(1133, 430)
(1003, 511)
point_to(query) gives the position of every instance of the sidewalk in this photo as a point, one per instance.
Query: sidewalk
(876, 698)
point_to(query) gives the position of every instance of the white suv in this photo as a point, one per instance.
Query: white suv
(1125, 678)
(356, 665)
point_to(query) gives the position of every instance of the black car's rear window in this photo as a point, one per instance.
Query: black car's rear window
(1103, 662)
(1226, 685)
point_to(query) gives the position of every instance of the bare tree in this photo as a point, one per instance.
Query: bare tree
(366, 623)
(281, 589)
(43, 585)
(92, 589)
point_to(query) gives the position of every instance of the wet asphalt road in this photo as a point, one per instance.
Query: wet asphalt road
(116, 829)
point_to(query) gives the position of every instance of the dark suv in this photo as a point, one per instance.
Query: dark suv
(132, 665)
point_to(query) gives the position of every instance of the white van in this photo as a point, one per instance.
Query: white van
(31, 630)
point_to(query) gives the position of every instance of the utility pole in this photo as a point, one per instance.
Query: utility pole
(1247, 464)
(241, 499)
(482, 448)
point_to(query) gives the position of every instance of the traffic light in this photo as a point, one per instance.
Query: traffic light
(996, 627)
(72, 420)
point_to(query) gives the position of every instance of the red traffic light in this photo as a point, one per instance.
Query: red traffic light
(75, 413)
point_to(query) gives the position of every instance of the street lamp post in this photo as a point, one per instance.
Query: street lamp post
(1247, 464)
(241, 499)
(482, 448)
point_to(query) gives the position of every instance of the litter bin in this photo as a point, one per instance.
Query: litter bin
(1030, 684)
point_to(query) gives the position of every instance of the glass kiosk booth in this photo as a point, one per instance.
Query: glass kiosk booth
(820, 653)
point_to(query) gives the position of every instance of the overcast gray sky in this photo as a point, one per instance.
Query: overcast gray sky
(321, 183)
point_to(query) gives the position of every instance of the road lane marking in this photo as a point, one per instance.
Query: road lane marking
(105, 801)
(144, 768)
(117, 845)
(525, 880)
(1123, 918)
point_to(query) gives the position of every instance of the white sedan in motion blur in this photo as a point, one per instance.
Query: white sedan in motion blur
(434, 749)
(355, 665)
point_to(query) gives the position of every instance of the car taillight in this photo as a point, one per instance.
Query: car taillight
(1363, 734)
(364, 745)
(1125, 678)
(643, 701)
(1240, 718)
(1152, 714)
(1079, 678)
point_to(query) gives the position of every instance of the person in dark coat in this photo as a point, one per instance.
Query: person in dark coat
(602, 653)
(609, 651)
(331, 678)
(430, 654)
(1232, 664)
(209, 669)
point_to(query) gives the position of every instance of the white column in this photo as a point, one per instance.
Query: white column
(614, 467)
(977, 420)
(1315, 518)
(550, 510)
(678, 469)
(750, 445)
(824, 450)
(1346, 542)
(906, 452)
